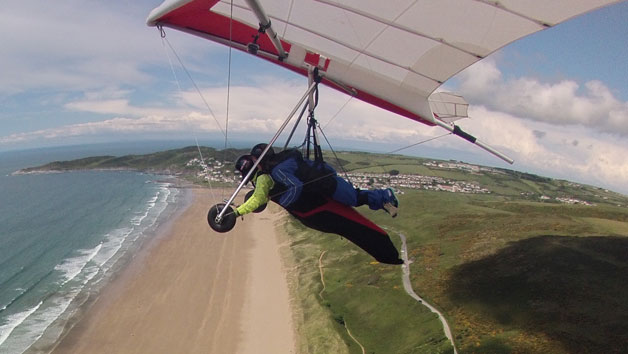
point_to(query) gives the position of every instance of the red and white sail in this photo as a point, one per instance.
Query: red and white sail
(392, 54)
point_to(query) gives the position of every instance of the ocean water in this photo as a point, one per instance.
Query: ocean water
(62, 235)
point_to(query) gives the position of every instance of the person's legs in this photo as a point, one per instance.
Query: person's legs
(345, 193)
(380, 199)
(376, 199)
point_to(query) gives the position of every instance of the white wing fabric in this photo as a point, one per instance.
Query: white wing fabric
(393, 54)
(448, 107)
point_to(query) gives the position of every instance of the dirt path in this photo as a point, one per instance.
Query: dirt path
(320, 294)
(407, 285)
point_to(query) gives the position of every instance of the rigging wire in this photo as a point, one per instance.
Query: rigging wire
(338, 112)
(419, 143)
(195, 86)
(344, 171)
(162, 33)
(406, 147)
(285, 28)
(224, 156)
(198, 147)
(403, 148)
(335, 155)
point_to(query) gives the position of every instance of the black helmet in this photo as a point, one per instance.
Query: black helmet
(244, 164)
(259, 148)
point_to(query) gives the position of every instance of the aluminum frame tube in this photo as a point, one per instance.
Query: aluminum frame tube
(272, 141)
(477, 142)
(265, 22)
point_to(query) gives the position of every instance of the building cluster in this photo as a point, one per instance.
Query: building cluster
(381, 180)
(211, 170)
(214, 170)
(451, 165)
(569, 200)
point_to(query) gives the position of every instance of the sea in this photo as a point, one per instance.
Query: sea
(64, 235)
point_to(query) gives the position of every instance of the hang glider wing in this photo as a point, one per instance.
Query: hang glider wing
(448, 107)
(392, 54)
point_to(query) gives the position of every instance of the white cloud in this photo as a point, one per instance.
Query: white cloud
(562, 103)
(557, 129)
(572, 153)
(117, 126)
(258, 110)
(81, 45)
(64, 45)
(253, 109)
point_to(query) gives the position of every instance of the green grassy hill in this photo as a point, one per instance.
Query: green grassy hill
(173, 162)
(510, 275)
(516, 270)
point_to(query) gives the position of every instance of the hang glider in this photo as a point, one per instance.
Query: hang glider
(392, 54)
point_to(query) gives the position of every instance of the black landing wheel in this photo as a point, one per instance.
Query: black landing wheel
(227, 221)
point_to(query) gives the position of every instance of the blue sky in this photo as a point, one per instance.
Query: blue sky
(590, 47)
(74, 72)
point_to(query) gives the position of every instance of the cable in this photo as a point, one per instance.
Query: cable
(419, 143)
(335, 155)
(338, 112)
(224, 157)
(198, 147)
(195, 86)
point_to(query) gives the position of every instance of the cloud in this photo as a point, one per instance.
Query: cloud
(117, 126)
(252, 109)
(65, 45)
(561, 103)
(78, 45)
(573, 152)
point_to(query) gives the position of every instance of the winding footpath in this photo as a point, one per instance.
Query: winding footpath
(407, 285)
(354, 339)
(408, 288)
(320, 268)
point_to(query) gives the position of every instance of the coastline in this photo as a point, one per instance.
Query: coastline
(191, 290)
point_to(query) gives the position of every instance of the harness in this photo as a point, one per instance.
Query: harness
(318, 180)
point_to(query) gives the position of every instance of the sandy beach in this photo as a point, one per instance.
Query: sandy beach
(195, 291)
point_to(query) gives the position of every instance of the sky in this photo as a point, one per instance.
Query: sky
(76, 72)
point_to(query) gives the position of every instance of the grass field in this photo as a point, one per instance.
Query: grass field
(510, 273)
(365, 296)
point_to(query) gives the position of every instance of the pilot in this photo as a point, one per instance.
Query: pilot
(300, 184)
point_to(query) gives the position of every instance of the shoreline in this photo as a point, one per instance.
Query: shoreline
(191, 290)
(138, 252)
(80, 275)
